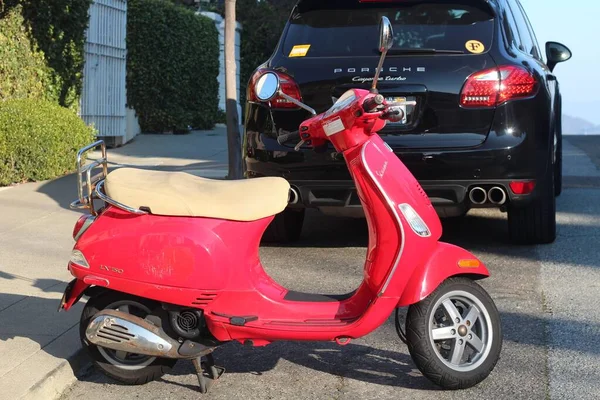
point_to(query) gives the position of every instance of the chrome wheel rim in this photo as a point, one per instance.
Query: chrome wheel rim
(123, 359)
(460, 331)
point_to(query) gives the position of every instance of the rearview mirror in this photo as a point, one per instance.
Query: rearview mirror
(267, 87)
(386, 41)
(556, 53)
(386, 35)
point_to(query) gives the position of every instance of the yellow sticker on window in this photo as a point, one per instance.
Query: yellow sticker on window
(475, 46)
(300, 50)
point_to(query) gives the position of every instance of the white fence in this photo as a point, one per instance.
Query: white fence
(103, 101)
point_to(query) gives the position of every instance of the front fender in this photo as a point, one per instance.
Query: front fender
(441, 265)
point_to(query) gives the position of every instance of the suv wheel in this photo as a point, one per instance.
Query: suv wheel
(536, 222)
(558, 164)
(286, 227)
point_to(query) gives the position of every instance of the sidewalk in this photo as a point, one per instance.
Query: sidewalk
(38, 346)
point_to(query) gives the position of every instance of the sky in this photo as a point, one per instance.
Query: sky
(576, 24)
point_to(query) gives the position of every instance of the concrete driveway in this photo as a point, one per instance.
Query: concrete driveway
(547, 296)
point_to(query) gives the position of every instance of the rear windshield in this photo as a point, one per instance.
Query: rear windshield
(350, 28)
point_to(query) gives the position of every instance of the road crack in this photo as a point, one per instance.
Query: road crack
(340, 387)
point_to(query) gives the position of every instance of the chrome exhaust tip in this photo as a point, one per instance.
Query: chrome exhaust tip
(478, 196)
(125, 332)
(294, 197)
(497, 196)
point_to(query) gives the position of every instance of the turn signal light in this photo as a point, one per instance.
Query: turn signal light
(522, 187)
(78, 259)
(495, 86)
(473, 263)
(288, 86)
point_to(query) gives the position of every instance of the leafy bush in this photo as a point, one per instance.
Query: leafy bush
(172, 66)
(24, 72)
(57, 28)
(38, 140)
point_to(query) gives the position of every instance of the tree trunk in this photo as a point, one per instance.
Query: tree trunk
(233, 125)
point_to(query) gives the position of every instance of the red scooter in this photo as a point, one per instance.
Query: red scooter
(170, 261)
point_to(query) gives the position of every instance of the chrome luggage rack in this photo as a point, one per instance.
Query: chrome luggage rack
(91, 187)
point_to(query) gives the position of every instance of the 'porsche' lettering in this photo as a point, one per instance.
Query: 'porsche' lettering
(353, 70)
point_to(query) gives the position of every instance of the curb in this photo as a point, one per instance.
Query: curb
(49, 371)
(54, 383)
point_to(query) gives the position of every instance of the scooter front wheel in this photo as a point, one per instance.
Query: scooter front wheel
(454, 335)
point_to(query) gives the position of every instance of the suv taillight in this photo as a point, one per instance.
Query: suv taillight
(288, 86)
(495, 86)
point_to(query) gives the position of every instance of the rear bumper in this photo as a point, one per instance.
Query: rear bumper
(323, 180)
(517, 148)
(450, 198)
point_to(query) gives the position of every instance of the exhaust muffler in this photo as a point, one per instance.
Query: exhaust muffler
(497, 196)
(478, 196)
(125, 332)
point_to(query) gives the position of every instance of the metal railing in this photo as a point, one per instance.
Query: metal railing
(90, 186)
(86, 182)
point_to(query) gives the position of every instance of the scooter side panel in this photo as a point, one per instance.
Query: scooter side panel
(169, 252)
(441, 265)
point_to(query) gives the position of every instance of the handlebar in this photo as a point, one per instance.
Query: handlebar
(282, 139)
(370, 105)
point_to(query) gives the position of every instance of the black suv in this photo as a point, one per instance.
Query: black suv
(482, 124)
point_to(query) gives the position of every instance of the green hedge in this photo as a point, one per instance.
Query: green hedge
(38, 140)
(172, 66)
(54, 28)
(24, 72)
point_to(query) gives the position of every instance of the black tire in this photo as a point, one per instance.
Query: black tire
(153, 371)
(558, 166)
(536, 222)
(427, 354)
(286, 227)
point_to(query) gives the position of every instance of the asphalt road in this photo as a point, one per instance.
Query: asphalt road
(546, 295)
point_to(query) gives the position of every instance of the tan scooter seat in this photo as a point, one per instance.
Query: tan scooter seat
(182, 194)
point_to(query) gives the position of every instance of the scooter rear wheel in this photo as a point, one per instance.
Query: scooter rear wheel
(454, 335)
(128, 368)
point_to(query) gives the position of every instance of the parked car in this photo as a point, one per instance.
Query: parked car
(482, 124)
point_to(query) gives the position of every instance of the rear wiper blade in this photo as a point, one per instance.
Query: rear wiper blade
(400, 51)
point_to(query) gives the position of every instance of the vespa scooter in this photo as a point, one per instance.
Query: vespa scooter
(170, 261)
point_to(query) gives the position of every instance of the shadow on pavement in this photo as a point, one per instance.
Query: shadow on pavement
(46, 285)
(355, 361)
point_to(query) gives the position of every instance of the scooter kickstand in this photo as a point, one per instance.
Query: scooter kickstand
(207, 372)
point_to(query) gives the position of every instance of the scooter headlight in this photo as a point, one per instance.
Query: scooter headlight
(78, 259)
(414, 220)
